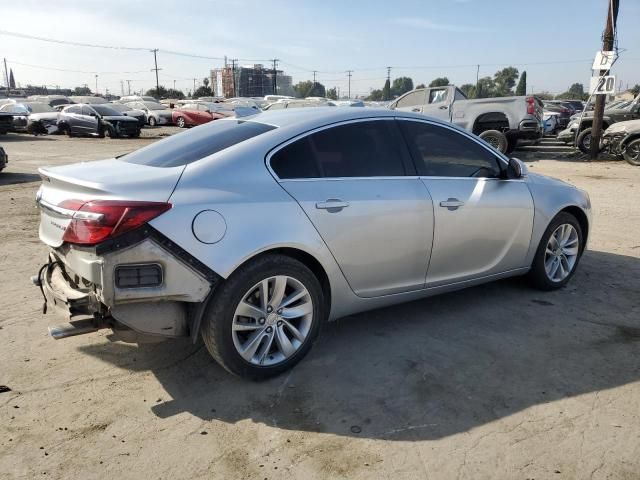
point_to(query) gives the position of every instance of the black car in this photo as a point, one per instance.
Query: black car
(127, 111)
(6, 122)
(4, 159)
(96, 120)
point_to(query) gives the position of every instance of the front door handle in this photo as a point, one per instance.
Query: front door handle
(415, 109)
(451, 203)
(332, 205)
(443, 107)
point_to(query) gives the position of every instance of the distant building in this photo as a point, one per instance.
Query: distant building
(249, 81)
(626, 95)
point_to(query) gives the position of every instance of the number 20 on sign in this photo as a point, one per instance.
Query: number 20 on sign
(603, 85)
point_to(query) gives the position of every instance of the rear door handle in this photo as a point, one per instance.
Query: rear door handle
(415, 109)
(332, 205)
(451, 203)
(443, 107)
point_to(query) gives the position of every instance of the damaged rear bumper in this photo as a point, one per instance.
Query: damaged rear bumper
(140, 285)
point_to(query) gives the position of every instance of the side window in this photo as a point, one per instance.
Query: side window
(87, 111)
(362, 149)
(77, 110)
(459, 95)
(437, 95)
(442, 152)
(412, 99)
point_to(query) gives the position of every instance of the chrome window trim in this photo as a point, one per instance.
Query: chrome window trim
(282, 145)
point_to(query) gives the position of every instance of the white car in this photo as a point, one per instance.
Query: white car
(157, 114)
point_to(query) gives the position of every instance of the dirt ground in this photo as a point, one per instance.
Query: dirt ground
(498, 381)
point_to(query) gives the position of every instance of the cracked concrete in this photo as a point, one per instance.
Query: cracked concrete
(494, 382)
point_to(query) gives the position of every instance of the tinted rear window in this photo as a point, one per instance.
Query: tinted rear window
(197, 143)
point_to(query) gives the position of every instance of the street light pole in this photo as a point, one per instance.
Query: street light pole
(96, 92)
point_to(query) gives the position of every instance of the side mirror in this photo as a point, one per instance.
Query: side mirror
(516, 168)
(93, 115)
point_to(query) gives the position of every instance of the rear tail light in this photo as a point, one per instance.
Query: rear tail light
(531, 106)
(95, 221)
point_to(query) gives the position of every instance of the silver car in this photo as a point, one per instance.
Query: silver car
(252, 232)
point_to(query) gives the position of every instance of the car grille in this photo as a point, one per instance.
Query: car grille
(137, 276)
(127, 128)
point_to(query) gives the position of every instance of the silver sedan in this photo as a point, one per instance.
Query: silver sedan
(252, 232)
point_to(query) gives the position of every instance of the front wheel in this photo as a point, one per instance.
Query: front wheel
(584, 141)
(180, 122)
(632, 153)
(152, 122)
(558, 253)
(265, 317)
(496, 139)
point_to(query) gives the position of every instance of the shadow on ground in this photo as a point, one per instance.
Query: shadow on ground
(430, 368)
(11, 178)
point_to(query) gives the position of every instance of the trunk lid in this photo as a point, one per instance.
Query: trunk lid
(102, 180)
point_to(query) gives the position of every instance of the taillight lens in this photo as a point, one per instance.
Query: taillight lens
(531, 105)
(98, 220)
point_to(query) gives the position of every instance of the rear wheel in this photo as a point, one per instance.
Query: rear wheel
(632, 153)
(265, 317)
(558, 253)
(584, 141)
(180, 122)
(496, 139)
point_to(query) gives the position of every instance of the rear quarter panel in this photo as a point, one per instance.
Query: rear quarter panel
(466, 112)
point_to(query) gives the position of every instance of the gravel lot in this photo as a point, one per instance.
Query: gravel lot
(498, 381)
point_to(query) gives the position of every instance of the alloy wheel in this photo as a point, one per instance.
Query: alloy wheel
(272, 320)
(561, 252)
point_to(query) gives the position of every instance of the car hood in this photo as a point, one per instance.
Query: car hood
(44, 116)
(630, 126)
(119, 118)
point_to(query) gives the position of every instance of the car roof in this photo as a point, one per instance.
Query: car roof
(307, 118)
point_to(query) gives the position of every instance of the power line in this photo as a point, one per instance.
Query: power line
(92, 72)
(66, 42)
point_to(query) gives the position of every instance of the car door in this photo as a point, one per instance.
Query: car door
(73, 117)
(411, 102)
(356, 183)
(482, 221)
(438, 103)
(88, 120)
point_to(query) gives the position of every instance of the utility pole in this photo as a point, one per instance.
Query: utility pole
(155, 61)
(233, 76)
(275, 75)
(6, 74)
(477, 77)
(389, 81)
(121, 88)
(608, 40)
(174, 84)
(96, 92)
(128, 87)
(349, 72)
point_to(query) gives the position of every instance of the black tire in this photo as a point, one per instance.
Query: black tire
(537, 275)
(107, 131)
(512, 143)
(65, 130)
(219, 314)
(152, 122)
(632, 152)
(583, 141)
(181, 123)
(496, 139)
(136, 134)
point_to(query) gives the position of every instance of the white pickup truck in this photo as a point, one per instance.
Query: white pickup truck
(500, 121)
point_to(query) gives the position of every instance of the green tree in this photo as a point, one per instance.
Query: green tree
(308, 89)
(171, 93)
(161, 92)
(575, 92)
(439, 82)
(205, 81)
(332, 93)
(505, 80)
(422, 85)
(486, 88)
(386, 90)
(521, 89)
(635, 89)
(202, 91)
(375, 95)
(82, 91)
(468, 89)
(401, 85)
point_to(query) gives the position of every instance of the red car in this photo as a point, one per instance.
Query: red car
(192, 114)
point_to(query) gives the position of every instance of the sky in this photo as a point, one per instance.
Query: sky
(553, 40)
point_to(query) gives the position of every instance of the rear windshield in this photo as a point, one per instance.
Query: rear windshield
(197, 143)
